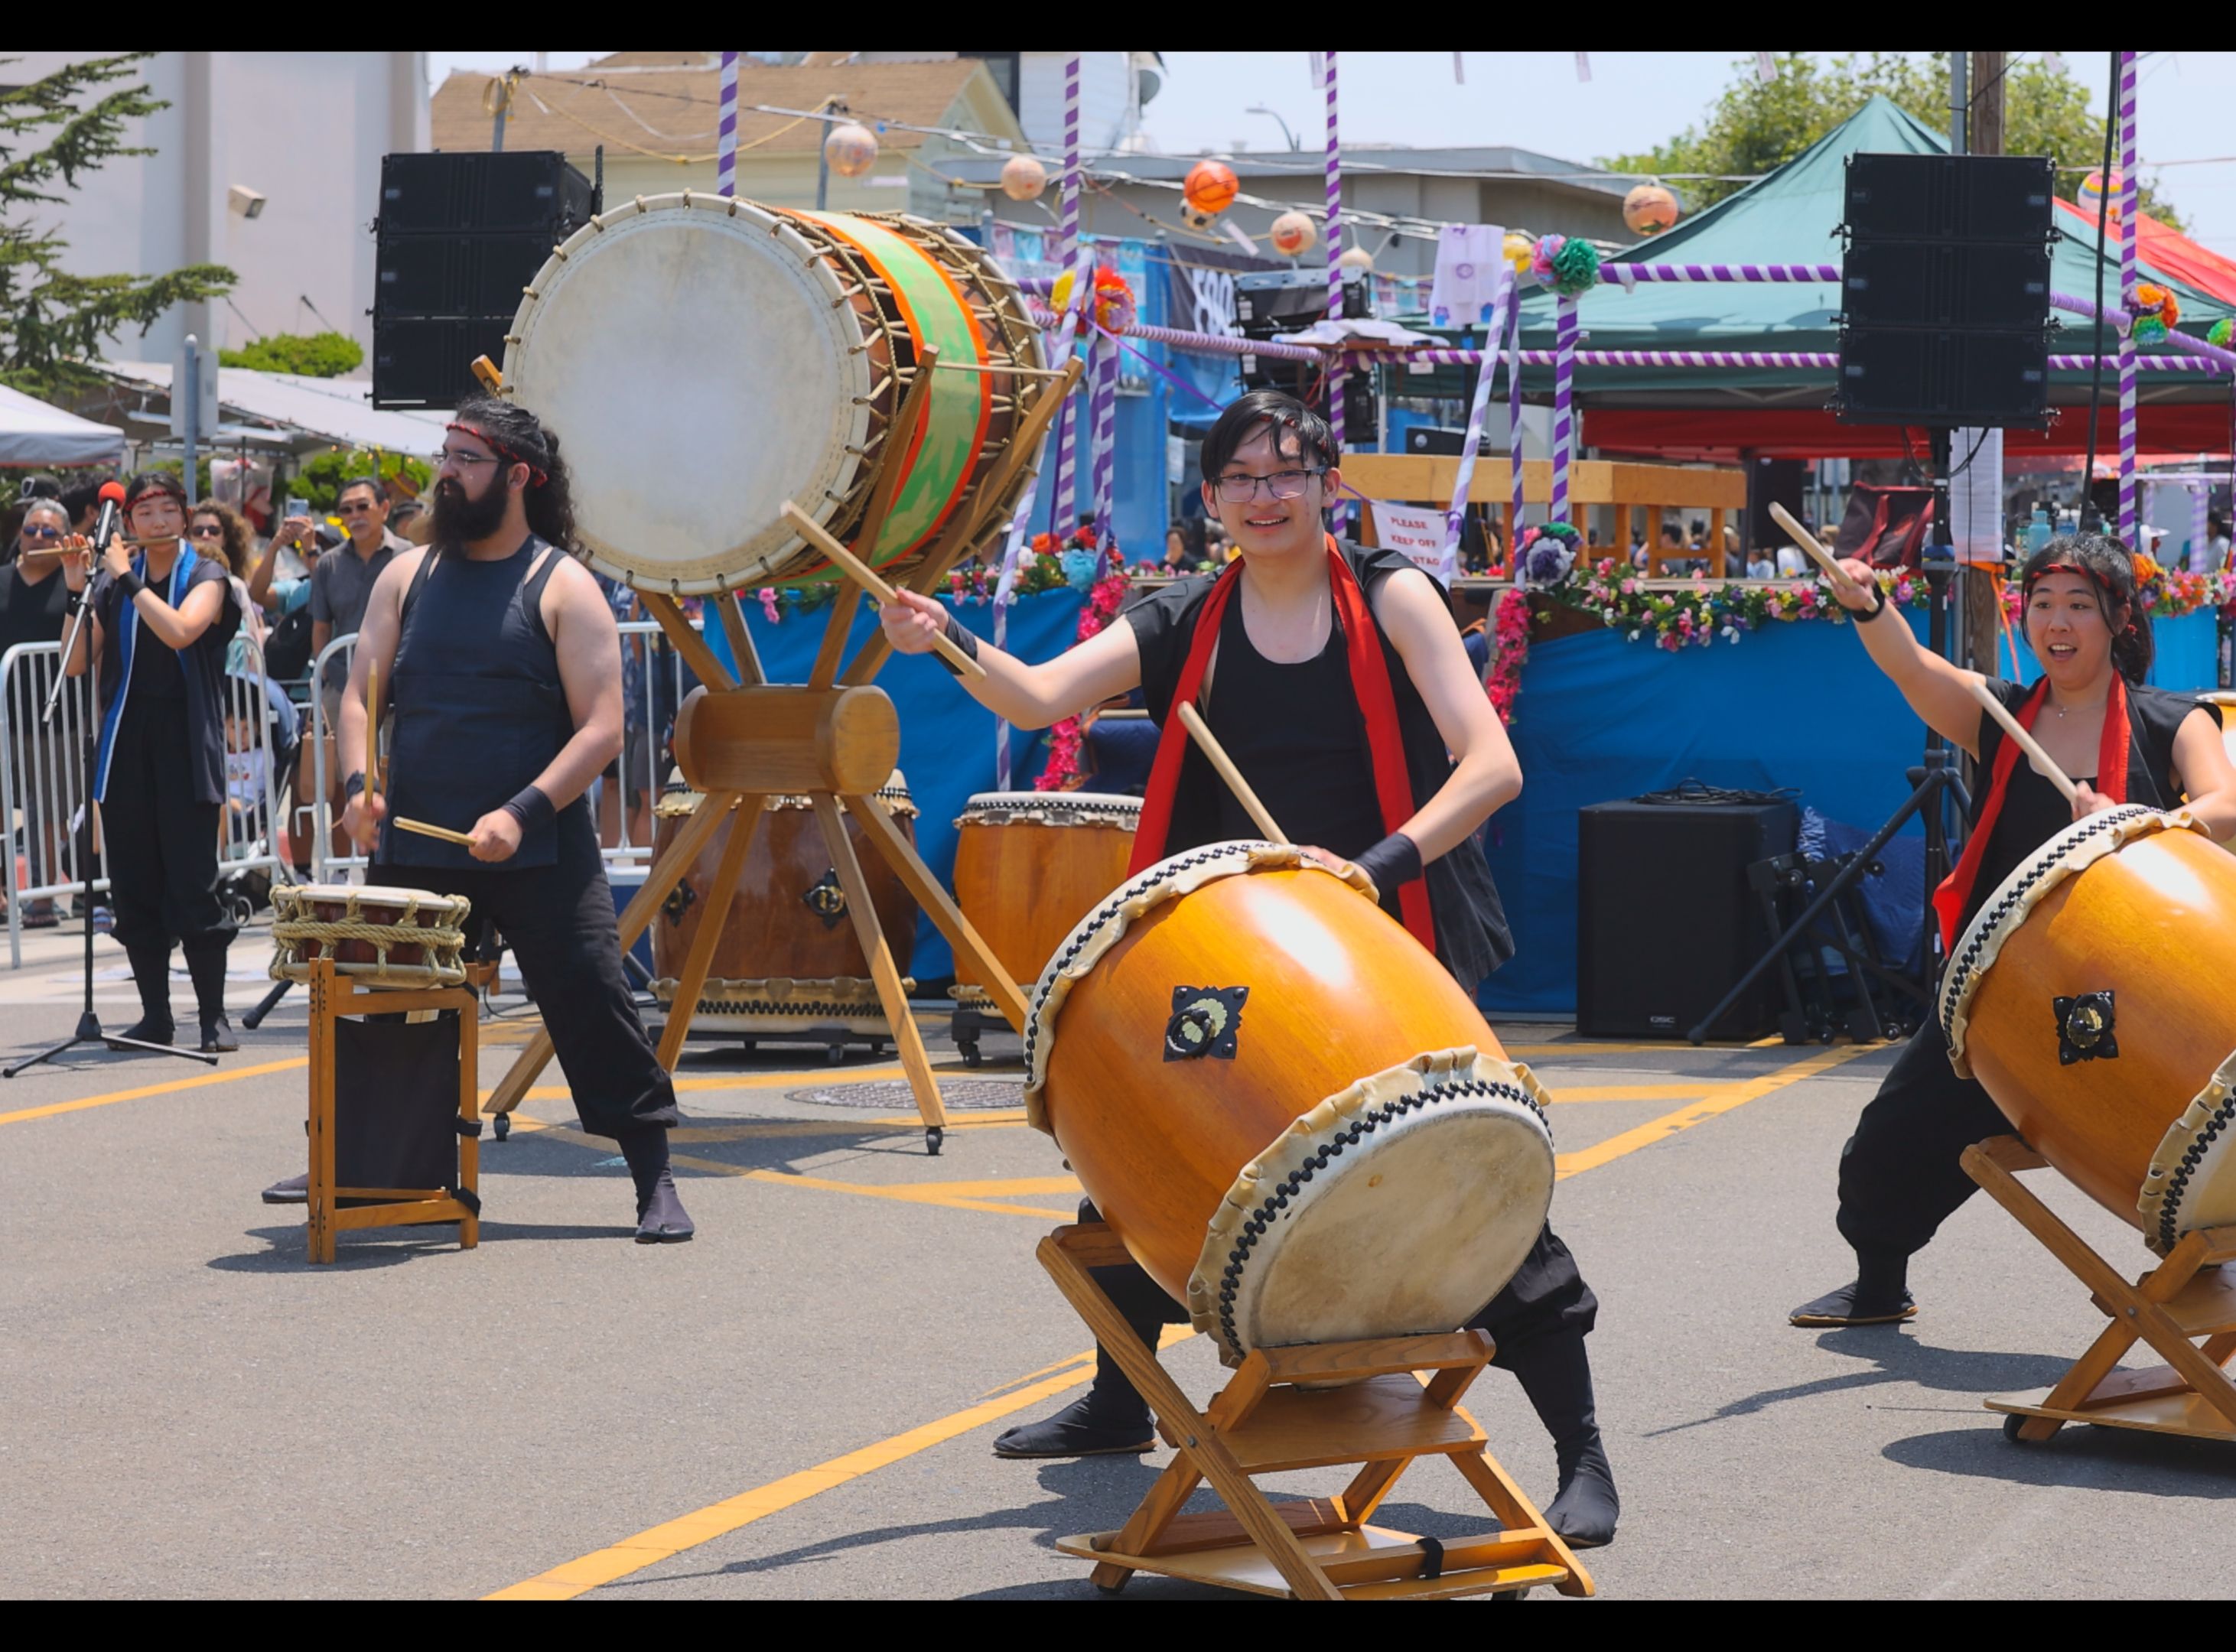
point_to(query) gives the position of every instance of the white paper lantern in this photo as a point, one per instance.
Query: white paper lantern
(1023, 178)
(852, 149)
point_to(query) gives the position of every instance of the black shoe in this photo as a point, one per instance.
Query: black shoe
(660, 1219)
(151, 975)
(296, 1190)
(147, 1030)
(1078, 1431)
(205, 964)
(1585, 1508)
(218, 1036)
(1556, 1374)
(1850, 1305)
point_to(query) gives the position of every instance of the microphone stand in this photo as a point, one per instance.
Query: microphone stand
(89, 1023)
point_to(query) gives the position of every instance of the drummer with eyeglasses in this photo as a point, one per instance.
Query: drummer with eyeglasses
(1337, 681)
(2123, 742)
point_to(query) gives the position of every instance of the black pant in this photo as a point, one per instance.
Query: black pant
(559, 920)
(159, 839)
(1900, 1177)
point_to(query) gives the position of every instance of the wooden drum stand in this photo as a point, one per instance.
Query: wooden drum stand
(2184, 1297)
(1275, 1415)
(836, 739)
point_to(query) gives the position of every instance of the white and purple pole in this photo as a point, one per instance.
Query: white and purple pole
(1514, 402)
(725, 133)
(1336, 374)
(1067, 257)
(1478, 410)
(1564, 412)
(2127, 517)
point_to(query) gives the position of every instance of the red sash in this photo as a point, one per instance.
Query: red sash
(1370, 677)
(1956, 891)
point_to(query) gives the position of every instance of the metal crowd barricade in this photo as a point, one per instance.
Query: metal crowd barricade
(43, 780)
(327, 867)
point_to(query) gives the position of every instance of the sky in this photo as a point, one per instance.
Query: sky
(1633, 102)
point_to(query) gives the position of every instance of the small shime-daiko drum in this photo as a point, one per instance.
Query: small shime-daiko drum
(1284, 1105)
(1029, 865)
(2094, 997)
(706, 359)
(384, 937)
(788, 962)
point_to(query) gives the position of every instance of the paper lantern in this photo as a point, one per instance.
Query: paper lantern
(852, 149)
(1291, 233)
(1023, 178)
(1210, 187)
(1649, 209)
(1355, 258)
(1519, 249)
(2093, 191)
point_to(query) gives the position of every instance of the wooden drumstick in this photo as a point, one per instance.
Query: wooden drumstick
(1193, 721)
(2043, 764)
(1807, 542)
(425, 831)
(860, 572)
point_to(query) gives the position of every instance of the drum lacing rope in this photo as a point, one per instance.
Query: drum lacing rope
(1362, 1125)
(2192, 1157)
(382, 936)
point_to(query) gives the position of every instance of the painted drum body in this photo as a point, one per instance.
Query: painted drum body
(1293, 1117)
(384, 937)
(788, 958)
(1029, 865)
(2094, 997)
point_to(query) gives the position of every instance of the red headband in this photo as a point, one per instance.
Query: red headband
(535, 475)
(2044, 572)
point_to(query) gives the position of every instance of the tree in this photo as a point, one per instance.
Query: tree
(319, 354)
(52, 322)
(1756, 125)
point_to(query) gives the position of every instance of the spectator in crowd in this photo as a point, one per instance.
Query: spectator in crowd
(1761, 565)
(220, 531)
(272, 586)
(38, 485)
(83, 503)
(2212, 557)
(247, 785)
(1176, 549)
(340, 586)
(407, 519)
(35, 607)
(1672, 544)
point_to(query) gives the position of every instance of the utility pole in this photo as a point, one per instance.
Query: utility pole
(1983, 128)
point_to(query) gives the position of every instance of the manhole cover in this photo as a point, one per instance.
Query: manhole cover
(893, 1095)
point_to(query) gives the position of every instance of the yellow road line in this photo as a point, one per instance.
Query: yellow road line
(199, 1081)
(1737, 1095)
(665, 1541)
(1593, 1047)
(1634, 1092)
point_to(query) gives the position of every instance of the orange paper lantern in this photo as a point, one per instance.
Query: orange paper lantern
(1291, 233)
(1210, 187)
(1649, 209)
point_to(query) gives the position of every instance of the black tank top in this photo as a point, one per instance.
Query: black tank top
(479, 708)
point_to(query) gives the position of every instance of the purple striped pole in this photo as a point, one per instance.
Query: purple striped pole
(1514, 405)
(1212, 344)
(1336, 373)
(1104, 424)
(1624, 273)
(725, 133)
(1564, 412)
(2127, 518)
(1067, 258)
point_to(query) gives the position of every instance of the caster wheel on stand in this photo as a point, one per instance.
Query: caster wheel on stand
(502, 1123)
(933, 1136)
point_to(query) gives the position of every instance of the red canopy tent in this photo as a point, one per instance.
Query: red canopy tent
(1721, 435)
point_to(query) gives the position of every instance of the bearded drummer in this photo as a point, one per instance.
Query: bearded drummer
(1336, 680)
(506, 669)
(1900, 1173)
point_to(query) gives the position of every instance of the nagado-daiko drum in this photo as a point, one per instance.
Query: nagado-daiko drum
(705, 359)
(2095, 996)
(1284, 1105)
(385, 937)
(1029, 865)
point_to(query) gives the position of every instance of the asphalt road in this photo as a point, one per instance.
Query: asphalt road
(800, 1403)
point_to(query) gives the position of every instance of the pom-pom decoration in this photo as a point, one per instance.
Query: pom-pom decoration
(1569, 265)
(1023, 178)
(1114, 299)
(1649, 209)
(2150, 330)
(852, 149)
(2093, 192)
(1519, 250)
(2220, 332)
(1210, 187)
(2156, 313)
(1546, 554)
(1291, 233)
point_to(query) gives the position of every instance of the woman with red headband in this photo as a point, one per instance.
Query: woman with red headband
(1336, 680)
(2121, 742)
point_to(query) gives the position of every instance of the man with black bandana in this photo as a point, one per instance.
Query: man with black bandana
(504, 676)
(1344, 694)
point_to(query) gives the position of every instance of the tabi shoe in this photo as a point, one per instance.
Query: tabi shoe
(1083, 1428)
(1556, 1374)
(1852, 1305)
(660, 1219)
(296, 1190)
(205, 964)
(151, 973)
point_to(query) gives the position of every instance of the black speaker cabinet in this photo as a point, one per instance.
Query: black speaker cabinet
(474, 194)
(1665, 924)
(1921, 376)
(455, 276)
(430, 363)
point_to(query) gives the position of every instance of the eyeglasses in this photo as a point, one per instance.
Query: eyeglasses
(207, 530)
(359, 508)
(457, 460)
(42, 533)
(1282, 484)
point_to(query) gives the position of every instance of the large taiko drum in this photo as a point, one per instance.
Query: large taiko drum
(384, 937)
(2094, 997)
(1282, 1104)
(1029, 865)
(704, 360)
(788, 961)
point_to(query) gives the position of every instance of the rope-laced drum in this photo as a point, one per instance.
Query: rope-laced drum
(1029, 865)
(1284, 1105)
(2092, 996)
(705, 359)
(384, 937)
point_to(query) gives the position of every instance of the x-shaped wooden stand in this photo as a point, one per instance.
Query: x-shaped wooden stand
(2186, 1296)
(1383, 1417)
(745, 740)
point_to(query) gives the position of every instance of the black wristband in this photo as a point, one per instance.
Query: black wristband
(1875, 611)
(531, 808)
(353, 785)
(964, 638)
(1395, 860)
(131, 584)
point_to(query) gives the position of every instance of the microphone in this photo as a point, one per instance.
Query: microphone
(112, 499)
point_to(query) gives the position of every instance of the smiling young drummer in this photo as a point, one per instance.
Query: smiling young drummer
(1336, 680)
(2122, 742)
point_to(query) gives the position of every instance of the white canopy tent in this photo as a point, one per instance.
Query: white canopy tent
(313, 410)
(35, 436)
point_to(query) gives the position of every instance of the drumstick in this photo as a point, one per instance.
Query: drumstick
(860, 572)
(2042, 762)
(425, 831)
(1807, 542)
(1193, 721)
